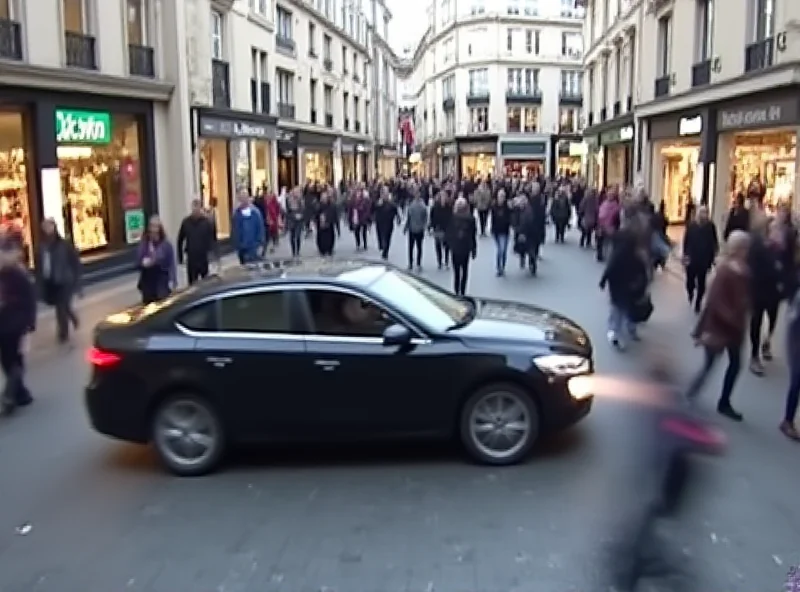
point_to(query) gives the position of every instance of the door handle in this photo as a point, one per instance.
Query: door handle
(327, 364)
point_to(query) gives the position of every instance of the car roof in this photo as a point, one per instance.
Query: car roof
(351, 272)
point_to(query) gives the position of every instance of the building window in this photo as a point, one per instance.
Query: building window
(259, 7)
(513, 7)
(344, 59)
(571, 83)
(217, 41)
(532, 41)
(705, 33)
(449, 123)
(523, 81)
(664, 44)
(568, 121)
(514, 119)
(569, 10)
(478, 119)
(327, 43)
(284, 22)
(100, 211)
(448, 87)
(284, 82)
(477, 7)
(449, 50)
(531, 120)
(328, 99)
(312, 39)
(510, 39)
(77, 18)
(572, 45)
(446, 11)
(137, 23)
(764, 19)
(531, 8)
(479, 81)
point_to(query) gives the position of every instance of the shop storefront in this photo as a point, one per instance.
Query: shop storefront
(349, 173)
(567, 154)
(288, 175)
(235, 152)
(617, 156)
(387, 162)
(678, 161)
(594, 162)
(316, 152)
(528, 158)
(430, 160)
(449, 159)
(86, 161)
(477, 159)
(757, 144)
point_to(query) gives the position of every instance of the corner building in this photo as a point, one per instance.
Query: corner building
(498, 88)
(721, 109)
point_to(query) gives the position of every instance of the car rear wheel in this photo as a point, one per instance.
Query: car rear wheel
(187, 435)
(499, 424)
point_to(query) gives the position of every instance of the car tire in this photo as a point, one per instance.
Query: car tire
(208, 430)
(479, 451)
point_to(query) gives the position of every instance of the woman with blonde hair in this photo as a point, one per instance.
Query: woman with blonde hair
(723, 321)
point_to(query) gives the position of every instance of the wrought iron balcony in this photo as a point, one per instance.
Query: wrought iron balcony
(313, 118)
(346, 124)
(523, 95)
(220, 83)
(701, 73)
(284, 44)
(356, 79)
(80, 50)
(570, 98)
(448, 104)
(617, 108)
(603, 114)
(141, 61)
(285, 110)
(312, 53)
(358, 127)
(328, 64)
(329, 120)
(478, 97)
(759, 55)
(662, 86)
(10, 40)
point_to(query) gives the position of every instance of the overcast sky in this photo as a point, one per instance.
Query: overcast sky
(409, 20)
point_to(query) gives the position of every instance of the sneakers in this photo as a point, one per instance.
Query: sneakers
(756, 367)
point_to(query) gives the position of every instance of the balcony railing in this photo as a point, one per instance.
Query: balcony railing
(570, 98)
(312, 53)
(662, 86)
(328, 64)
(313, 116)
(10, 40)
(285, 110)
(448, 104)
(603, 114)
(478, 97)
(759, 55)
(701, 73)
(220, 83)
(285, 44)
(80, 50)
(329, 120)
(523, 95)
(141, 61)
(346, 124)
(356, 79)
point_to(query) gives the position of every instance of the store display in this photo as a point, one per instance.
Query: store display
(84, 203)
(679, 170)
(768, 160)
(14, 213)
(319, 167)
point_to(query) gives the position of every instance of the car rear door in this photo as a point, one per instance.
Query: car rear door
(370, 389)
(258, 363)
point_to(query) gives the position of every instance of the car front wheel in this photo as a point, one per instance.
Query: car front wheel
(187, 435)
(499, 424)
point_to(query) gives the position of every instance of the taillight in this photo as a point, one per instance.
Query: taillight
(102, 359)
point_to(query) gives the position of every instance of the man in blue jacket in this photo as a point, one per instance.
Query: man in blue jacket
(249, 230)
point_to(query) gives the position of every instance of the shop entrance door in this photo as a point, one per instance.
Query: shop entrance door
(287, 170)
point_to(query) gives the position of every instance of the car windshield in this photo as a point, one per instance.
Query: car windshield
(419, 299)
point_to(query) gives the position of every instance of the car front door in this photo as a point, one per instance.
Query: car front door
(371, 389)
(259, 362)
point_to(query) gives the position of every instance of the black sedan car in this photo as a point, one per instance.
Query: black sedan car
(328, 350)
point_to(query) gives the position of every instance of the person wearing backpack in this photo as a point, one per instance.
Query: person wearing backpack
(462, 240)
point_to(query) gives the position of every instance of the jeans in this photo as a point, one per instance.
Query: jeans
(501, 242)
(360, 232)
(731, 373)
(442, 251)
(561, 231)
(483, 219)
(415, 243)
(586, 237)
(65, 314)
(384, 242)
(792, 396)
(295, 238)
(460, 273)
(620, 324)
(770, 308)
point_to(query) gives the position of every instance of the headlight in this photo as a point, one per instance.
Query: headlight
(562, 364)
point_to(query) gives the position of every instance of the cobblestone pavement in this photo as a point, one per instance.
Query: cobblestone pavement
(81, 513)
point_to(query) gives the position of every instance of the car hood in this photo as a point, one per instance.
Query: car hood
(513, 321)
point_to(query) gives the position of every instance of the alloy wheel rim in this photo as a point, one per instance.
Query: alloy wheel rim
(500, 425)
(186, 433)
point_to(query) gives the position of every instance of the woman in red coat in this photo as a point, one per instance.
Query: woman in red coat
(273, 217)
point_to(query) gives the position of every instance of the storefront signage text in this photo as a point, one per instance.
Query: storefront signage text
(83, 127)
(449, 149)
(213, 126)
(690, 126)
(481, 148)
(779, 112)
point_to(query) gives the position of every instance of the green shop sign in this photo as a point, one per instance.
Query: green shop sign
(83, 127)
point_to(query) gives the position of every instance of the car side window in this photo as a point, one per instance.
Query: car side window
(200, 318)
(339, 314)
(258, 312)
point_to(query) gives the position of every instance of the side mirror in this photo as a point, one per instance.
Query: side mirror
(396, 335)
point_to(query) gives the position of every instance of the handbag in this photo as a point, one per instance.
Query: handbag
(642, 310)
